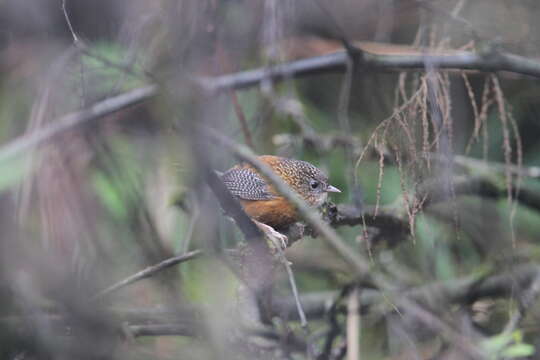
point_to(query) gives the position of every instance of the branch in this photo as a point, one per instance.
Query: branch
(257, 266)
(242, 120)
(336, 63)
(232, 208)
(185, 321)
(357, 262)
(67, 122)
(394, 225)
(386, 221)
(149, 271)
(438, 326)
(479, 186)
(241, 333)
(474, 164)
(464, 290)
(176, 329)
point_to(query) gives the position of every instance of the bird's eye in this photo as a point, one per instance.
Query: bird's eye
(314, 184)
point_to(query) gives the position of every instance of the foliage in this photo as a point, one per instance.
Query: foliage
(438, 167)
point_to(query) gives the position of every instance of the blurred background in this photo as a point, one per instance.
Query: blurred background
(438, 170)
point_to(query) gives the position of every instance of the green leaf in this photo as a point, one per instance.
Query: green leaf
(497, 343)
(12, 172)
(518, 350)
(109, 195)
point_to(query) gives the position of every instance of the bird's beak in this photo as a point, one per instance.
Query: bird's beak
(331, 188)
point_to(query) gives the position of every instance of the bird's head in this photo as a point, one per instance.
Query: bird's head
(311, 183)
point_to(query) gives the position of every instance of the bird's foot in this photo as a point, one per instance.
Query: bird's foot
(277, 241)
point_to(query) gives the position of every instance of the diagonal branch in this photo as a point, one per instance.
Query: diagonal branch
(335, 62)
(357, 262)
(232, 207)
(465, 290)
(69, 121)
(149, 271)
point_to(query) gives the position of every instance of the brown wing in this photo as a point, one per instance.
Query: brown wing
(246, 184)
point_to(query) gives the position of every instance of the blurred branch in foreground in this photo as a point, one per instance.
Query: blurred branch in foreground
(423, 114)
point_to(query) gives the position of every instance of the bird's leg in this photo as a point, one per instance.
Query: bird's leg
(277, 239)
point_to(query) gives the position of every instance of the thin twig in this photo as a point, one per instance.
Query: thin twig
(75, 38)
(352, 50)
(149, 271)
(292, 282)
(162, 329)
(451, 15)
(122, 67)
(242, 120)
(85, 49)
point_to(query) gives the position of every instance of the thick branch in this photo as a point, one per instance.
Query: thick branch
(336, 63)
(349, 215)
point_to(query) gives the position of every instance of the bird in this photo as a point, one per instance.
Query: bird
(263, 203)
